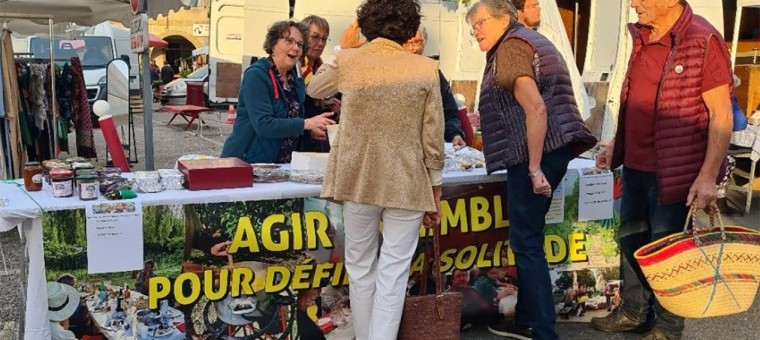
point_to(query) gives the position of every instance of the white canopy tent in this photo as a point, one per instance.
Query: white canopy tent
(81, 12)
(740, 4)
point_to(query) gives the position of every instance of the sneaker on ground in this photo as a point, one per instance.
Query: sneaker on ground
(508, 328)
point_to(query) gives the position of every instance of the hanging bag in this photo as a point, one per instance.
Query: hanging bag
(704, 273)
(431, 316)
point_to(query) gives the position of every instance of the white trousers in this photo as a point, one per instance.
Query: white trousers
(377, 286)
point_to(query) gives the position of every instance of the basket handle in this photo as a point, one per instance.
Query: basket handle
(713, 213)
(439, 303)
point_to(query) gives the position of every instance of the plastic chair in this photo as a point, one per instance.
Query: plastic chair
(195, 96)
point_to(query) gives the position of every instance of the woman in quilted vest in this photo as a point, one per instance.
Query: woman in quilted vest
(532, 128)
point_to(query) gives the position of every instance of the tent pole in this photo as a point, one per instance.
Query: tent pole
(52, 89)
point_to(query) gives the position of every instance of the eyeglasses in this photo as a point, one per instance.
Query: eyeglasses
(416, 42)
(316, 38)
(292, 42)
(478, 25)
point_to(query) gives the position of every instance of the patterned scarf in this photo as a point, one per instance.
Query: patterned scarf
(290, 96)
(306, 69)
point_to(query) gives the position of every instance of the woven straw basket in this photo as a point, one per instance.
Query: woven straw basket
(704, 273)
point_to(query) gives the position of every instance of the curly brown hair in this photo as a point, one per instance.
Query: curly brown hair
(281, 29)
(395, 20)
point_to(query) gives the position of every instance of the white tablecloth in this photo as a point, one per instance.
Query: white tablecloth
(26, 210)
(748, 138)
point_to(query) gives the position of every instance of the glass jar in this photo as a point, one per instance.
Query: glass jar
(33, 176)
(83, 172)
(88, 187)
(62, 181)
(49, 166)
(477, 141)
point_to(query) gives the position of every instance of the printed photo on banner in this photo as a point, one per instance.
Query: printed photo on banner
(275, 269)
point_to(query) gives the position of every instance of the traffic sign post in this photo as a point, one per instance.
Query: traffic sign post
(138, 33)
(135, 4)
(140, 43)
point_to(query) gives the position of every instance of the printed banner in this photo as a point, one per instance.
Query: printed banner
(274, 269)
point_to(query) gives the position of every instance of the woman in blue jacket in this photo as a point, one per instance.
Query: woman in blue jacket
(270, 114)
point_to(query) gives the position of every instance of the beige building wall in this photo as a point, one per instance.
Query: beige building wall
(181, 23)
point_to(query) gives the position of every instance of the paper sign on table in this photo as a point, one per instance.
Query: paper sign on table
(595, 199)
(114, 237)
(556, 212)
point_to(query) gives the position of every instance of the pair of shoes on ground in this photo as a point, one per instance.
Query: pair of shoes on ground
(619, 322)
(509, 328)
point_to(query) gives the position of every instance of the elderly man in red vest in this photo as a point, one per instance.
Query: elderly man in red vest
(674, 129)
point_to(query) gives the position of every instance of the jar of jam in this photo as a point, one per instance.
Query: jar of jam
(477, 141)
(62, 181)
(50, 165)
(88, 187)
(83, 172)
(33, 176)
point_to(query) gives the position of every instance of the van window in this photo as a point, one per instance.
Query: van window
(93, 52)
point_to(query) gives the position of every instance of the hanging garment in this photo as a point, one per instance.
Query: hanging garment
(64, 87)
(63, 138)
(10, 91)
(81, 111)
(37, 99)
(25, 121)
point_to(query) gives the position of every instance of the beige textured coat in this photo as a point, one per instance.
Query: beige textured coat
(389, 150)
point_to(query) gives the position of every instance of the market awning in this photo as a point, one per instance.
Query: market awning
(82, 12)
(155, 41)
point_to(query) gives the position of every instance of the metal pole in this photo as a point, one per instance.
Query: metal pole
(147, 111)
(52, 89)
(147, 103)
(576, 20)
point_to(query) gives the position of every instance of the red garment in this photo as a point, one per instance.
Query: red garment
(644, 76)
(680, 123)
(80, 108)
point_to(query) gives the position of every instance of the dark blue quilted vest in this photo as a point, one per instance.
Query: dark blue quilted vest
(503, 120)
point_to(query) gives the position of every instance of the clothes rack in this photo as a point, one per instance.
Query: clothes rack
(31, 60)
(50, 19)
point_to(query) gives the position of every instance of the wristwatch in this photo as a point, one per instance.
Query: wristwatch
(534, 173)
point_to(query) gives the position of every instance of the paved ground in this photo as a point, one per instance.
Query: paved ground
(170, 143)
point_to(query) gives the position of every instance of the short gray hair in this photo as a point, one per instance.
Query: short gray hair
(317, 21)
(423, 32)
(497, 9)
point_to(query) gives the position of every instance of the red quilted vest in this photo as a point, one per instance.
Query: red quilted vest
(681, 124)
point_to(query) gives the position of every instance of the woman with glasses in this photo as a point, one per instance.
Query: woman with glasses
(319, 31)
(270, 119)
(532, 128)
(386, 160)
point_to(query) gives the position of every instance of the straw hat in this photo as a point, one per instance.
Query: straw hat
(63, 301)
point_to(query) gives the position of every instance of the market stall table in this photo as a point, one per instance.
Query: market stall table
(26, 210)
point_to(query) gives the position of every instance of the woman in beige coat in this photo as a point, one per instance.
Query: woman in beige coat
(386, 161)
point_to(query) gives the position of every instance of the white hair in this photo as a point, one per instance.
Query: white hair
(423, 32)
